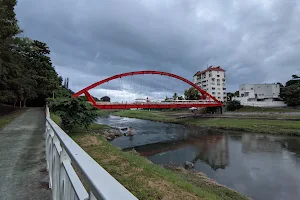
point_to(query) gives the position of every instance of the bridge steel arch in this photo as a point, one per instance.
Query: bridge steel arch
(204, 94)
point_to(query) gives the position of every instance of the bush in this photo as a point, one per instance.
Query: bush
(73, 112)
(234, 105)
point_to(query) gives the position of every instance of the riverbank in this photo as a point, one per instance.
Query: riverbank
(144, 179)
(276, 126)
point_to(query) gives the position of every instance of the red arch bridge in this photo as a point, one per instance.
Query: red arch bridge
(206, 99)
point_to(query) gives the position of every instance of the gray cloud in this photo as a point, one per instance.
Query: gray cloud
(255, 41)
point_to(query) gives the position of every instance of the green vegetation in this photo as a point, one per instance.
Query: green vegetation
(80, 129)
(8, 113)
(234, 105)
(27, 75)
(248, 125)
(145, 114)
(291, 92)
(191, 94)
(73, 112)
(149, 181)
(259, 109)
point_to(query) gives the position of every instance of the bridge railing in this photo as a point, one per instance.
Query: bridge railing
(163, 102)
(63, 155)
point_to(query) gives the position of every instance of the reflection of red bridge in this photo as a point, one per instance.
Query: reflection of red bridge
(206, 99)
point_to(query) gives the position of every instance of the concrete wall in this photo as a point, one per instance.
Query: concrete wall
(267, 103)
(260, 91)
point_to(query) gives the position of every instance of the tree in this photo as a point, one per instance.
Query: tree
(9, 29)
(237, 93)
(175, 96)
(291, 92)
(105, 99)
(234, 105)
(180, 98)
(191, 94)
(291, 95)
(295, 80)
(73, 112)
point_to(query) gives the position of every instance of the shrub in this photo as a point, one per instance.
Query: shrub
(234, 105)
(73, 112)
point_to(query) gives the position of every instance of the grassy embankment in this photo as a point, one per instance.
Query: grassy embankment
(239, 124)
(144, 179)
(8, 113)
(259, 109)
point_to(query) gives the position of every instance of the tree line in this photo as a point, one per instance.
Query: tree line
(27, 75)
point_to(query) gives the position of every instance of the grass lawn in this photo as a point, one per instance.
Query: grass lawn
(249, 125)
(252, 125)
(145, 114)
(144, 179)
(259, 109)
(7, 118)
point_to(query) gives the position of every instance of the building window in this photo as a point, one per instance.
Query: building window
(219, 89)
(209, 75)
(218, 83)
(224, 79)
(213, 79)
(224, 93)
(219, 92)
(213, 88)
(213, 83)
(224, 88)
(218, 75)
(218, 97)
(213, 92)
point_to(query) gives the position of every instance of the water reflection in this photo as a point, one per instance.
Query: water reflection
(258, 165)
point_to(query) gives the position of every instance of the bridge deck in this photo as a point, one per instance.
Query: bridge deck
(152, 105)
(22, 158)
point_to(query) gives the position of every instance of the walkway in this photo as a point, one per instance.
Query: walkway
(22, 158)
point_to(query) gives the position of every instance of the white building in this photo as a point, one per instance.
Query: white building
(262, 95)
(213, 81)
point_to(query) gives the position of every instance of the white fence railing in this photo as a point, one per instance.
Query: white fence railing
(62, 153)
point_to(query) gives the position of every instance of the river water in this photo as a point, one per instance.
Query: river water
(258, 165)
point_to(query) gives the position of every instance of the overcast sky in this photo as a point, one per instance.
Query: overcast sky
(255, 41)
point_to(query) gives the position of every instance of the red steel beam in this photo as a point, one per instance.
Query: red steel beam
(203, 92)
(152, 106)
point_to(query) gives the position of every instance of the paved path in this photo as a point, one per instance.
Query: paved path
(22, 158)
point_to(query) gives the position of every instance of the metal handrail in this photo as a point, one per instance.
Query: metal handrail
(101, 185)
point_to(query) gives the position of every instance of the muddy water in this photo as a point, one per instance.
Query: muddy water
(257, 165)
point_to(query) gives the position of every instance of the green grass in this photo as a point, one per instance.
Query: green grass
(259, 109)
(103, 113)
(149, 181)
(145, 114)
(7, 118)
(249, 125)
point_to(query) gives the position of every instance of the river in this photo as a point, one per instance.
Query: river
(259, 166)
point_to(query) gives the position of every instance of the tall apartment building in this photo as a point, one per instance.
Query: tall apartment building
(212, 80)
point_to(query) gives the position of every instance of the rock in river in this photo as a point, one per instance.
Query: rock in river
(188, 165)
